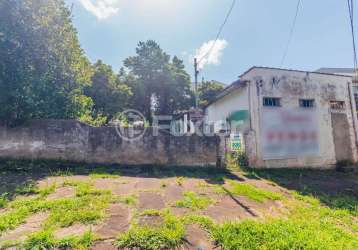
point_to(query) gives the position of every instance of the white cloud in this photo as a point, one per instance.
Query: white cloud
(214, 57)
(102, 9)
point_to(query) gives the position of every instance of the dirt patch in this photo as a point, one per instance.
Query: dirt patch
(62, 192)
(124, 189)
(196, 238)
(76, 229)
(148, 184)
(117, 222)
(229, 209)
(173, 193)
(148, 200)
(32, 224)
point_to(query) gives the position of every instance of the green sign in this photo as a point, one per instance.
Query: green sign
(236, 142)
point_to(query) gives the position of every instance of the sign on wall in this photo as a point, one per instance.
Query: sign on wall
(289, 133)
(236, 142)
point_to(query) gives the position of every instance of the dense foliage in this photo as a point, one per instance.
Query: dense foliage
(44, 73)
(207, 91)
(43, 69)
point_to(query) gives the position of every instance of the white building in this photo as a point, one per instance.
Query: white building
(294, 118)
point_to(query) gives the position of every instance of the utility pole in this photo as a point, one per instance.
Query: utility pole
(196, 72)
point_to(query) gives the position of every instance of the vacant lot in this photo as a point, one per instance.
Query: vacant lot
(49, 205)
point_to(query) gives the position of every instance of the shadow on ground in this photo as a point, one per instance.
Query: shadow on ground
(16, 173)
(333, 188)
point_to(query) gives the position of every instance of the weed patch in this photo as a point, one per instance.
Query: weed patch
(168, 235)
(247, 190)
(282, 234)
(46, 240)
(194, 201)
(130, 200)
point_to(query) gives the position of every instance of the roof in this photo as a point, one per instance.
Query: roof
(235, 85)
(339, 71)
(241, 83)
(295, 70)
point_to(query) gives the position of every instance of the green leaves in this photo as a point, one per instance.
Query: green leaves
(43, 65)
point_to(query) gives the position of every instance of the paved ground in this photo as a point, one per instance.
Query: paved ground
(161, 190)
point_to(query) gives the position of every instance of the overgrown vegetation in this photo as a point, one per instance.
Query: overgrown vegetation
(283, 234)
(247, 190)
(46, 240)
(168, 235)
(87, 207)
(194, 201)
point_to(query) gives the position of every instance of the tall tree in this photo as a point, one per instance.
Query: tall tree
(158, 79)
(43, 69)
(208, 90)
(109, 91)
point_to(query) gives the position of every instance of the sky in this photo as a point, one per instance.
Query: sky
(256, 33)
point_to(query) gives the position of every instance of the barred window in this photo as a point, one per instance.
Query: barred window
(306, 103)
(272, 102)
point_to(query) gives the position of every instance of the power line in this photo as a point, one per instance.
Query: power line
(291, 33)
(220, 30)
(351, 19)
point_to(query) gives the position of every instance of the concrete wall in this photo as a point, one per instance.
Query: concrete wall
(75, 141)
(291, 86)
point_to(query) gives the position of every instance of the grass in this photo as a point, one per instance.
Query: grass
(87, 207)
(168, 235)
(194, 201)
(282, 234)
(46, 240)
(130, 200)
(4, 200)
(249, 191)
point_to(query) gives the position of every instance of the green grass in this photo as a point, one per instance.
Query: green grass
(27, 189)
(46, 240)
(283, 234)
(87, 207)
(4, 200)
(130, 200)
(194, 201)
(249, 191)
(168, 235)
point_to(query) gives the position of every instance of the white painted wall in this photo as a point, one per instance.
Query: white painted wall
(221, 110)
(291, 86)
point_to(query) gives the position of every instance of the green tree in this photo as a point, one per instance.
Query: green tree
(207, 92)
(109, 91)
(156, 79)
(43, 69)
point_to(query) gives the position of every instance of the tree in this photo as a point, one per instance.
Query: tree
(43, 69)
(175, 93)
(156, 79)
(207, 92)
(109, 91)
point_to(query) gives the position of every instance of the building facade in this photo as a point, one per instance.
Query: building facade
(295, 118)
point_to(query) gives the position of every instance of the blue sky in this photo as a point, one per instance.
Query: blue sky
(256, 33)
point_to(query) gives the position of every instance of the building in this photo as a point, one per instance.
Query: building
(289, 118)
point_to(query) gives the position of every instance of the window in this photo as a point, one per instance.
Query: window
(306, 103)
(272, 102)
(337, 105)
